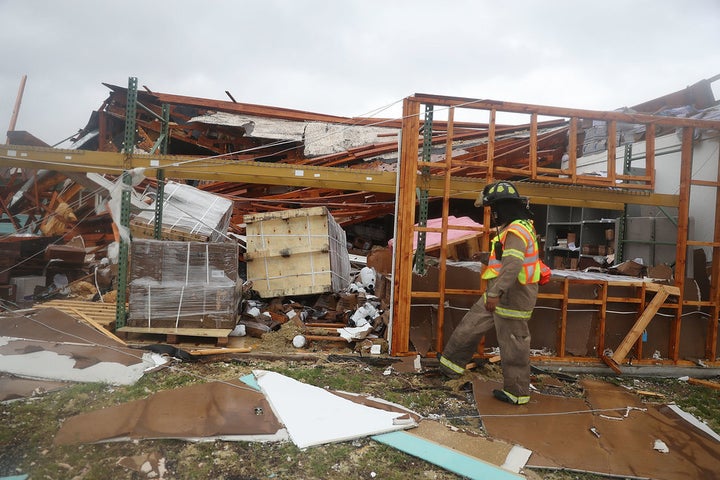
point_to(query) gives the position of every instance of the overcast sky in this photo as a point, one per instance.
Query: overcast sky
(349, 57)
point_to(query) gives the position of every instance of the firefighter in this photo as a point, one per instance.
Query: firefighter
(512, 273)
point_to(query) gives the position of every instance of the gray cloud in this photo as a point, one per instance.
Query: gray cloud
(349, 57)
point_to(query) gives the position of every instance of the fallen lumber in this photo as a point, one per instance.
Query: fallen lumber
(704, 383)
(324, 338)
(220, 351)
(618, 357)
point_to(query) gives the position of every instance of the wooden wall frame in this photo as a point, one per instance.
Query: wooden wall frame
(569, 188)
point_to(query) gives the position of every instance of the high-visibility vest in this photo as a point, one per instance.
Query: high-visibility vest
(530, 272)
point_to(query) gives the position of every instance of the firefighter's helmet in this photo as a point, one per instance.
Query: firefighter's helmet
(498, 191)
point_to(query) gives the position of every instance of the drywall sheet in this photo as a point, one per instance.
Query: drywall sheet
(216, 410)
(331, 417)
(608, 432)
(52, 345)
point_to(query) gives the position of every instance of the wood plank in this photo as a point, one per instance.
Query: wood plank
(704, 383)
(610, 363)
(325, 338)
(100, 313)
(640, 324)
(220, 351)
(187, 332)
(647, 393)
(100, 328)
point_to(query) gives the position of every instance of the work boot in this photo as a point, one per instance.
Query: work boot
(481, 362)
(508, 397)
(449, 368)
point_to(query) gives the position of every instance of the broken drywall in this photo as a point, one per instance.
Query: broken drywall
(332, 418)
(13, 388)
(320, 138)
(52, 345)
(238, 410)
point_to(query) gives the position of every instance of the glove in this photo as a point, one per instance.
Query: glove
(491, 303)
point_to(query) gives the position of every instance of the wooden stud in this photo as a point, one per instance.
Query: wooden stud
(220, 351)
(682, 236)
(402, 285)
(612, 152)
(533, 146)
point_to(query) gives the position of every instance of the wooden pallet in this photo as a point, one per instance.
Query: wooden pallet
(101, 313)
(175, 335)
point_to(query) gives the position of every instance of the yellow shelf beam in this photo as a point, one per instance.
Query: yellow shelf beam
(341, 178)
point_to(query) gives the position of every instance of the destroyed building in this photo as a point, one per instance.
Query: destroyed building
(361, 232)
(616, 230)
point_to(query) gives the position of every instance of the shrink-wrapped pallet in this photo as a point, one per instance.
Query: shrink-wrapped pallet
(183, 284)
(188, 214)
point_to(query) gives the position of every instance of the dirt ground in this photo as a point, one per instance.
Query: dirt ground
(29, 425)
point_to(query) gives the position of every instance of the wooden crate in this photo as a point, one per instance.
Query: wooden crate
(296, 252)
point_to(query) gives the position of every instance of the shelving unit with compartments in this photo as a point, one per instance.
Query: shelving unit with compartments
(576, 232)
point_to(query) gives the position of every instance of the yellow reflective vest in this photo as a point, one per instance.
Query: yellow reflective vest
(530, 273)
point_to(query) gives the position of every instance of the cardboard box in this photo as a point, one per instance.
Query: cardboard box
(7, 292)
(66, 253)
(296, 252)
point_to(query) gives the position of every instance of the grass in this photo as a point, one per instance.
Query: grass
(29, 426)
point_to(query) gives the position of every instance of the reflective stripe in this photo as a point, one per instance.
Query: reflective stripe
(531, 260)
(521, 400)
(510, 313)
(452, 366)
(514, 253)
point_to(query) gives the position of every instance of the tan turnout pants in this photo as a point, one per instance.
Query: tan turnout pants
(514, 340)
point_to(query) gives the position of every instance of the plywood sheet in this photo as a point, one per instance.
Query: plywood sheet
(226, 410)
(558, 431)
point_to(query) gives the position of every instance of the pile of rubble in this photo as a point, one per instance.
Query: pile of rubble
(355, 314)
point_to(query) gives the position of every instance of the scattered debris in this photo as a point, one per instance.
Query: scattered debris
(151, 465)
(53, 345)
(661, 446)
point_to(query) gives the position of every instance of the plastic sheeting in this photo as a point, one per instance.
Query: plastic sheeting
(191, 211)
